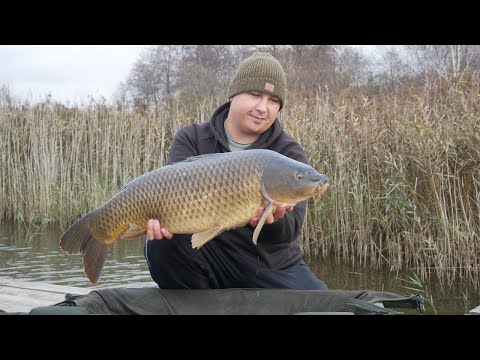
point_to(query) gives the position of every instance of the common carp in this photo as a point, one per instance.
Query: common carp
(203, 195)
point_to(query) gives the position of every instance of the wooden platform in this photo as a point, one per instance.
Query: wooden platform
(22, 296)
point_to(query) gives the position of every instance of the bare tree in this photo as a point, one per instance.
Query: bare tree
(351, 67)
(274, 50)
(392, 68)
(153, 77)
(308, 67)
(206, 69)
(6, 98)
(449, 62)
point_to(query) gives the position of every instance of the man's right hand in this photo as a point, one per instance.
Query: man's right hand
(156, 232)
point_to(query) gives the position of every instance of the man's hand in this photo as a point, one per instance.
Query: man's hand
(277, 215)
(156, 232)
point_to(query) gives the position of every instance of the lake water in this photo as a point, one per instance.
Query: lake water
(35, 256)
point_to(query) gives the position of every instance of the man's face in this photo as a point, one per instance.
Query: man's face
(254, 112)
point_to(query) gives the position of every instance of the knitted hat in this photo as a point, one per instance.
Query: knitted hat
(260, 72)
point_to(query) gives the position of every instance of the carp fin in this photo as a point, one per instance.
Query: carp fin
(78, 239)
(134, 232)
(199, 157)
(259, 226)
(201, 238)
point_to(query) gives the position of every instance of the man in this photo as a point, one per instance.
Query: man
(247, 121)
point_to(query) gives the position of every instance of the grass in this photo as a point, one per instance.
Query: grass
(415, 284)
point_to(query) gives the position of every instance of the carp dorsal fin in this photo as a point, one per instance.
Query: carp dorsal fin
(259, 226)
(198, 157)
(199, 239)
(134, 232)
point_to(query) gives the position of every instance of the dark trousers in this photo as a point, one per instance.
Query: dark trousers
(173, 264)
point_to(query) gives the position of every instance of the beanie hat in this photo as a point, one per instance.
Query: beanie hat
(260, 72)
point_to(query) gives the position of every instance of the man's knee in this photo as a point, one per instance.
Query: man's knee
(298, 277)
(158, 253)
(173, 267)
(309, 281)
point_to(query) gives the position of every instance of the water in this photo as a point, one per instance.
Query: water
(34, 256)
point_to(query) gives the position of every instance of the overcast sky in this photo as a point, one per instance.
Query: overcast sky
(68, 72)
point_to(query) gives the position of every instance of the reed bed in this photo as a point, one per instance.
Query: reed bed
(405, 174)
(405, 170)
(59, 163)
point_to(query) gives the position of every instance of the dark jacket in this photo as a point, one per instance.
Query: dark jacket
(277, 246)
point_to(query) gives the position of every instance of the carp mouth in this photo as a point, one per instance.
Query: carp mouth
(320, 190)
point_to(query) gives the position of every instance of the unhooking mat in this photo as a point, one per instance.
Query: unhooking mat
(155, 301)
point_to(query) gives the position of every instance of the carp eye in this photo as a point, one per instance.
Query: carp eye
(299, 176)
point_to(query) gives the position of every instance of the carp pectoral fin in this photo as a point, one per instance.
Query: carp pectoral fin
(199, 239)
(134, 232)
(259, 226)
